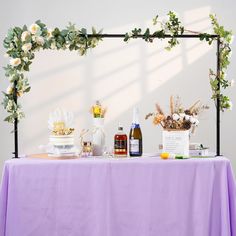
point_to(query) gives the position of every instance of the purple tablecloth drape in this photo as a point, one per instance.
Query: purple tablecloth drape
(108, 197)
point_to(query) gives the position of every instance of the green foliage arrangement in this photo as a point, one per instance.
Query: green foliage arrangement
(22, 43)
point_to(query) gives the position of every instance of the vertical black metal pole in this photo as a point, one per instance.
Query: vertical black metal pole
(15, 122)
(218, 101)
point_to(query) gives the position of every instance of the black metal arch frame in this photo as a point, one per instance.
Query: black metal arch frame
(16, 153)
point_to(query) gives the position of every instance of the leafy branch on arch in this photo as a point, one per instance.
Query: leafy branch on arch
(171, 25)
(22, 43)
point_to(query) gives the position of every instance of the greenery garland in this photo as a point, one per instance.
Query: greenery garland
(172, 26)
(22, 43)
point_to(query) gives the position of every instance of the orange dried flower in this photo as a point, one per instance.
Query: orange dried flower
(158, 119)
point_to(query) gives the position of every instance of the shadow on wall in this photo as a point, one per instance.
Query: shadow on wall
(121, 76)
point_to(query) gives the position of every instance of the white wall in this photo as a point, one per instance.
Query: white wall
(120, 75)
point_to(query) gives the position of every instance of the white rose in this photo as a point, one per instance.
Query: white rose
(176, 117)
(25, 35)
(231, 83)
(34, 28)
(49, 33)
(15, 61)
(26, 47)
(9, 89)
(39, 40)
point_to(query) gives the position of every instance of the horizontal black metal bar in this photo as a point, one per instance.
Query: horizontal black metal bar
(154, 36)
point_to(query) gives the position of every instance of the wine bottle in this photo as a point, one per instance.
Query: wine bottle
(135, 136)
(120, 143)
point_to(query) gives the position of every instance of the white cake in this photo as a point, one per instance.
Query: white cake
(62, 141)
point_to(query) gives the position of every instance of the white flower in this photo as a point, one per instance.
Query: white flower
(187, 117)
(231, 83)
(26, 47)
(194, 121)
(176, 117)
(230, 105)
(49, 33)
(6, 55)
(182, 115)
(25, 35)
(34, 29)
(15, 61)
(39, 40)
(9, 89)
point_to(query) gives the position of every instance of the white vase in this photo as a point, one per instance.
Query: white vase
(176, 142)
(98, 136)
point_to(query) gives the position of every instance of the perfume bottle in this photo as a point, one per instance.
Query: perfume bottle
(97, 109)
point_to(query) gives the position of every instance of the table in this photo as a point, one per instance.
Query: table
(125, 197)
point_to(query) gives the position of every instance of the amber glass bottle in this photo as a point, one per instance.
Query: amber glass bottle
(120, 143)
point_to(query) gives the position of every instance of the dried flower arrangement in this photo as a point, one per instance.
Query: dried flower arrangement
(179, 117)
(97, 110)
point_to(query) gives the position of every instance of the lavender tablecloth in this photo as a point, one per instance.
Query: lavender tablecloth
(128, 197)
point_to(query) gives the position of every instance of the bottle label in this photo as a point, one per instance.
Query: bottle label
(120, 147)
(134, 145)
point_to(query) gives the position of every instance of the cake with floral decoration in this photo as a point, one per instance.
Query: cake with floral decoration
(62, 135)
